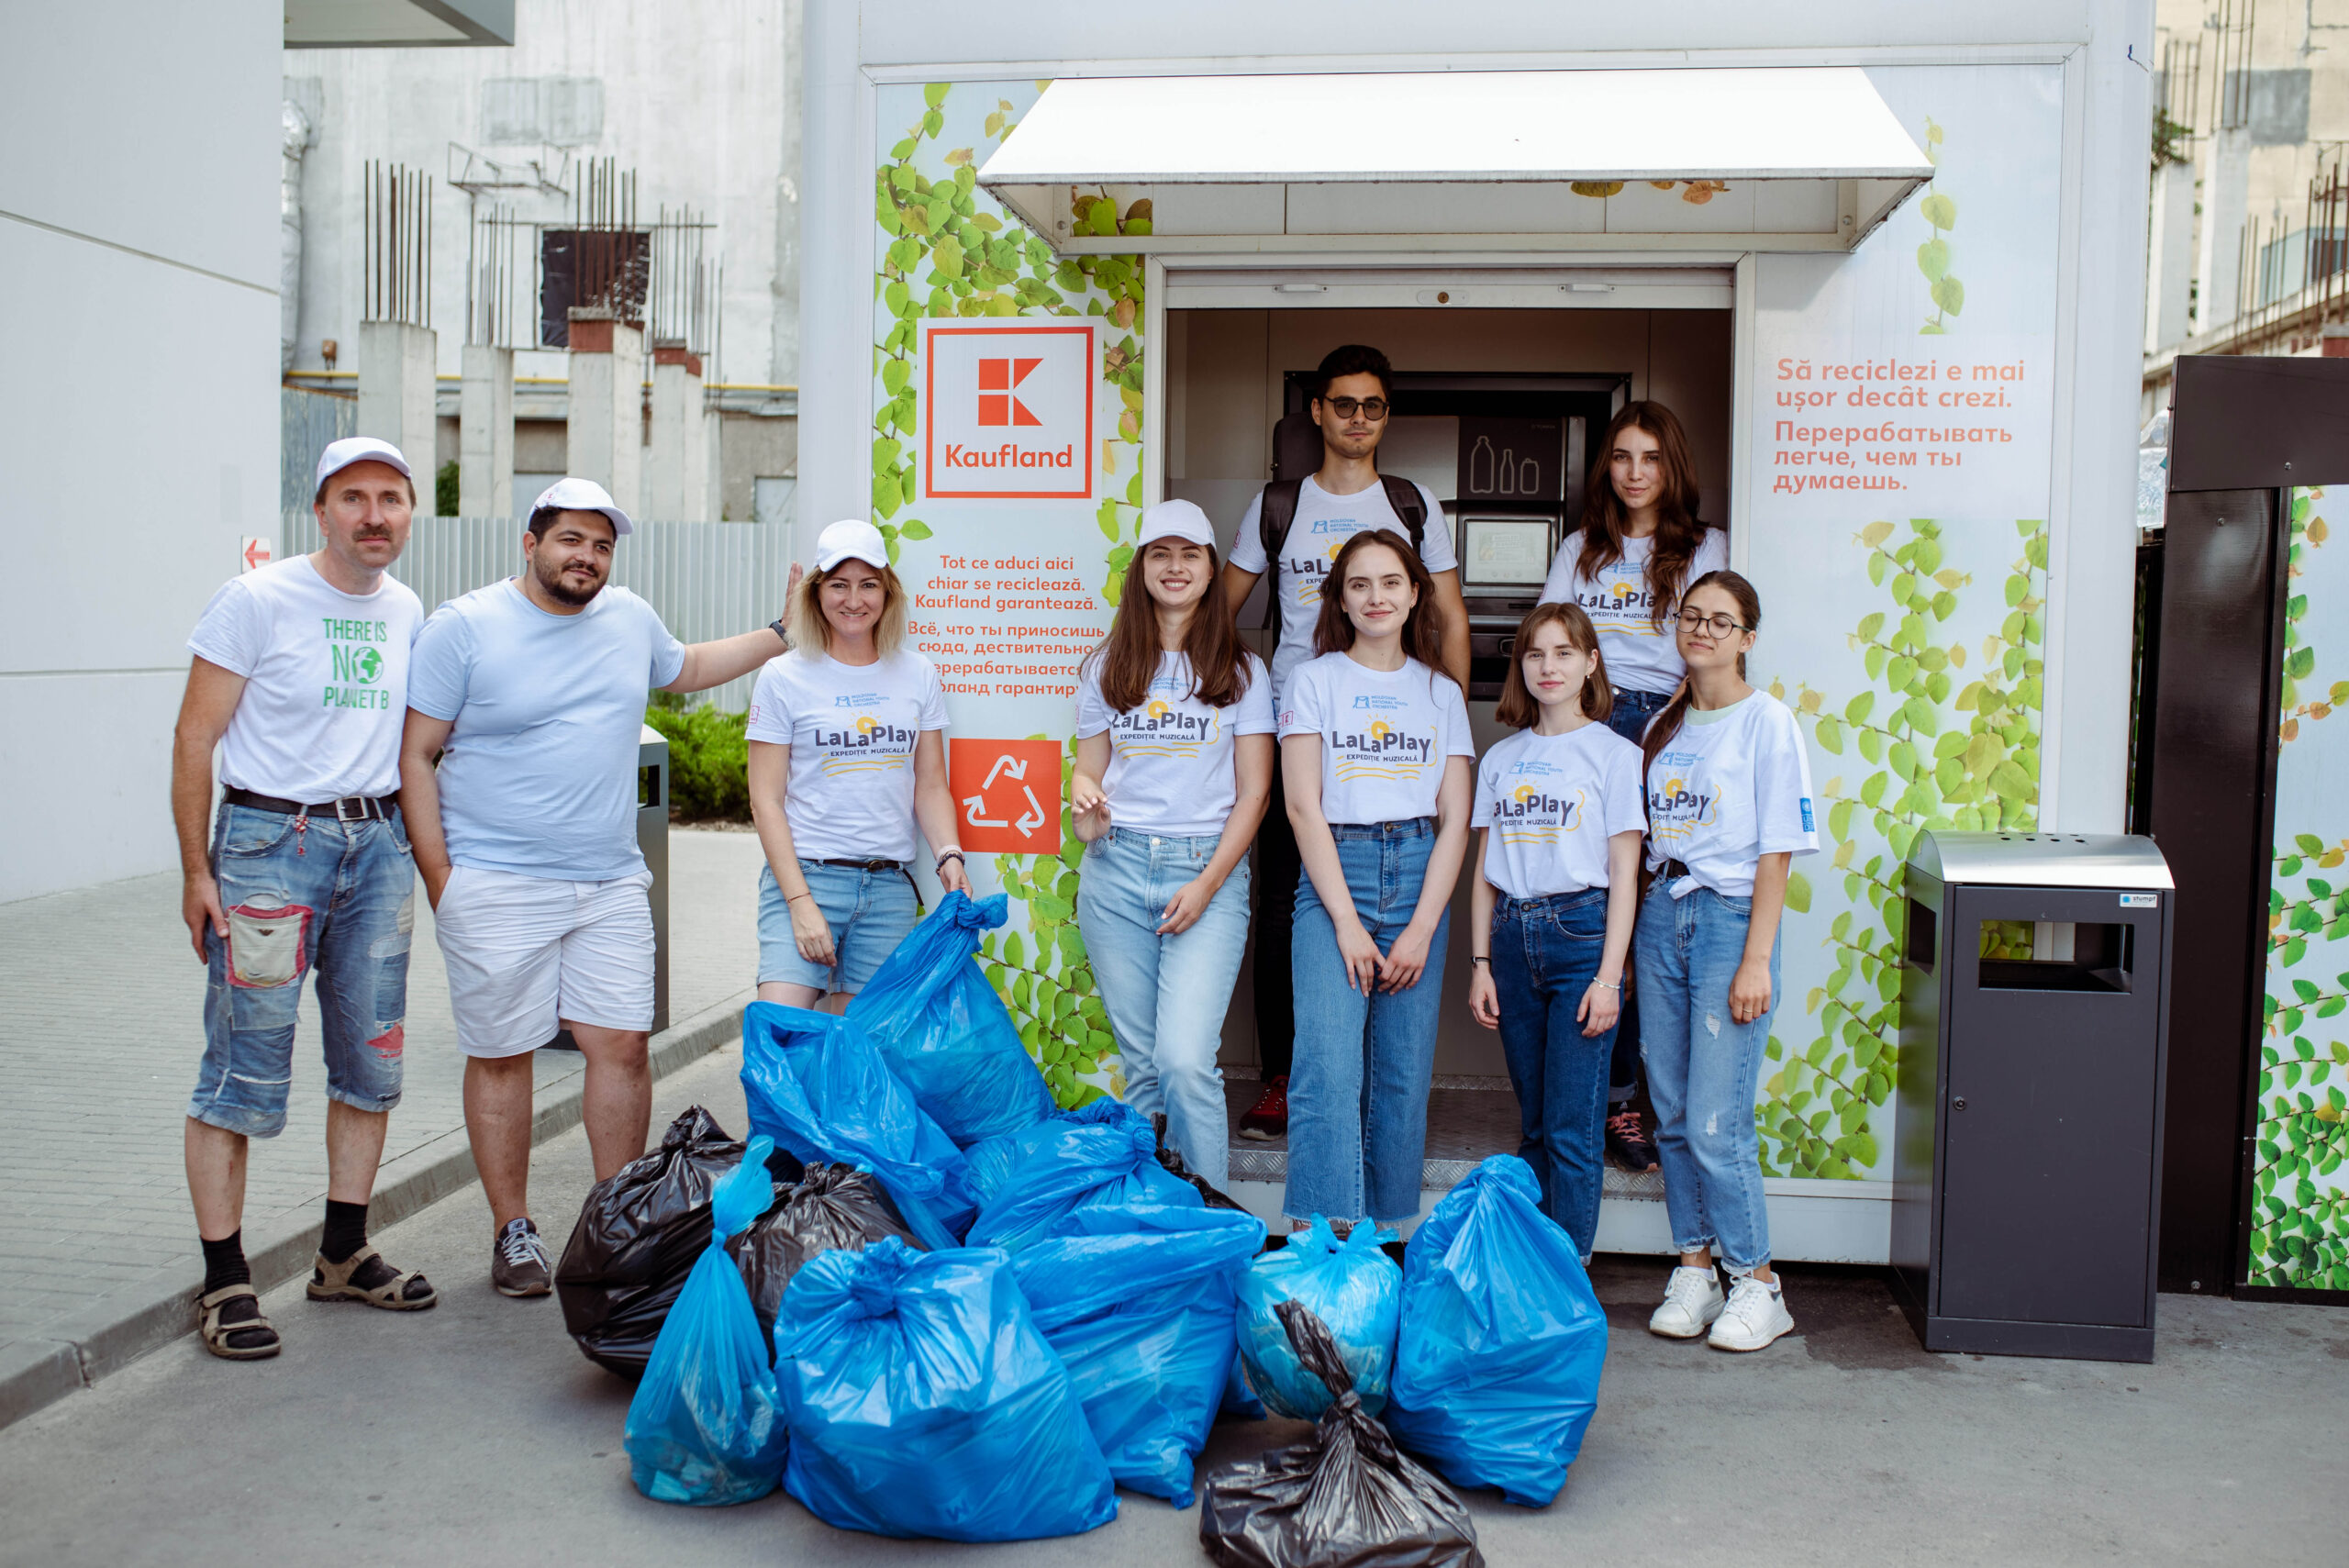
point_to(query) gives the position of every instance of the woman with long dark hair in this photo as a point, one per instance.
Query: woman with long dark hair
(1729, 808)
(1375, 761)
(1173, 766)
(1559, 804)
(1640, 543)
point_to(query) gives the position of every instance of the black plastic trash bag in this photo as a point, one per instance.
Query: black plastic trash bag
(831, 1207)
(637, 1238)
(1172, 1163)
(1347, 1497)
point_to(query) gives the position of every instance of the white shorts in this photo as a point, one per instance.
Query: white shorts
(526, 955)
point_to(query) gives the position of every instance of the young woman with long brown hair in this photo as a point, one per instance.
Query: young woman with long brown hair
(1729, 808)
(1640, 543)
(1173, 766)
(1559, 803)
(1374, 761)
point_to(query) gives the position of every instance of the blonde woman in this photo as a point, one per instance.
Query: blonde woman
(848, 754)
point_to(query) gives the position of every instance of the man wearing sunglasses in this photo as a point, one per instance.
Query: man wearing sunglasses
(1294, 528)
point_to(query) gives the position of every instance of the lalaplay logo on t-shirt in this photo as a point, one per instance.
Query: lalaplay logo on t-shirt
(863, 745)
(1158, 728)
(1377, 749)
(1533, 812)
(1688, 800)
(1621, 602)
(1324, 537)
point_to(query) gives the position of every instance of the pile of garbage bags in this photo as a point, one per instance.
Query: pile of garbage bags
(926, 1303)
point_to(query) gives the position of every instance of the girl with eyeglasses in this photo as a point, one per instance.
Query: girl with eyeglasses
(1560, 808)
(1639, 542)
(1729, 808)
(1375, 755)
(1173, 766)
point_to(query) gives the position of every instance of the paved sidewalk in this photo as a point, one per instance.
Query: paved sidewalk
(99, 1042)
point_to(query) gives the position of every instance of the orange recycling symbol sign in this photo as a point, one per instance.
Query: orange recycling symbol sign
(1007, 795)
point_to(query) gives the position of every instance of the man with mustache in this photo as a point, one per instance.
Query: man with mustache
(531, 692)
(300, 678)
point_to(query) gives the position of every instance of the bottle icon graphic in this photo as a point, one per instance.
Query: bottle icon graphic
(1508, 471)
(1480, 467)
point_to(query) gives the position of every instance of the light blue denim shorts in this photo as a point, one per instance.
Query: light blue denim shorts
(869, 912)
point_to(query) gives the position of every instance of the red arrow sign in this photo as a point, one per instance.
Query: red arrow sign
(257, 553)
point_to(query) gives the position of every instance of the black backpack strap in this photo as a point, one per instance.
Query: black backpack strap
(1275, 512)
(1404, 496)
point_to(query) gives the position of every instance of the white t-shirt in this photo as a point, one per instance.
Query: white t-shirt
(1171, 763)
(1385, 738)
(852, 729)
(326, 681)
(1733, 786)
(1322, 524)
(1553, 802)
(1641, 655)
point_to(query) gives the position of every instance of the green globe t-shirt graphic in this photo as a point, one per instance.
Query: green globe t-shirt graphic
(356, 664)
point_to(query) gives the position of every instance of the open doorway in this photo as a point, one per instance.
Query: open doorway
(1484, 397)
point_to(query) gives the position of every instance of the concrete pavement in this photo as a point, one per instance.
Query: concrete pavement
(99, 1041)
(475, 1433)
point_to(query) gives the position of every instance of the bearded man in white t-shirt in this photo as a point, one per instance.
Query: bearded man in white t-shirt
(1351, 399)
(300, 678)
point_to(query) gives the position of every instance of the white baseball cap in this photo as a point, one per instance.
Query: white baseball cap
(1174, 519)
(342, 454)
(850, 536)
(572, 494)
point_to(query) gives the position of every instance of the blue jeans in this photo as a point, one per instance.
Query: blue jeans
(1545, 954)
(869, 912)
(1629, 719)
(1358, 1086)
(1166, 997)
(303, 895)
(1702, 1069)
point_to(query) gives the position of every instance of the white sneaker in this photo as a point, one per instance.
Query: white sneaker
(1755, 1317)
(1691, 1299)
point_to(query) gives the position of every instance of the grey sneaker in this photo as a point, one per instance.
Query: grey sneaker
(519, 1264)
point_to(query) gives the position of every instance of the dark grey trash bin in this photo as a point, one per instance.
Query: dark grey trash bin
(2027, 1137)
(653, 839)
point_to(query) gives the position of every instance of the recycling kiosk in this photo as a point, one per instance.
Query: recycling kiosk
(2027, 1164)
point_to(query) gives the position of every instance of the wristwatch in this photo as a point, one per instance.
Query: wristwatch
(775, 626)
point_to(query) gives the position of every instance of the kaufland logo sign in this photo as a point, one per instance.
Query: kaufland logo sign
(1007, 411)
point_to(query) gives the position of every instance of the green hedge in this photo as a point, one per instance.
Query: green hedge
(708, 759)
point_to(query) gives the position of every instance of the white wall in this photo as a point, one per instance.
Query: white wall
(695, 96)
(139, 413)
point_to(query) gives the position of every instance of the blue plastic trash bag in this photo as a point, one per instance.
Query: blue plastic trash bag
(1503, 1339)
(946, 1033)
(1109, 1163)
(1139, 1302)
(923, 1401)
(1239, 1401)
(818, 1088)
(1352, 1287)
(706, 1426)
(992, 1160)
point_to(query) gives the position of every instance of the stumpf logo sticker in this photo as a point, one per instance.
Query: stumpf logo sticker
(1007, 411)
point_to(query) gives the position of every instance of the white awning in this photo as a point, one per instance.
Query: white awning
(1781, 158)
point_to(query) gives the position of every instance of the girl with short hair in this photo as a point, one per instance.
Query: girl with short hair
(1559, 806)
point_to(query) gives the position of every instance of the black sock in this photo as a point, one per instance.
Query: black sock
(223, 1261)
(346, 1230)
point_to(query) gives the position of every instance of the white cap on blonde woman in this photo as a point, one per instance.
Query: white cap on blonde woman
(1174, 519)
(850, 538)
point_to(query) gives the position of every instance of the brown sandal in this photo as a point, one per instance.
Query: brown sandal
(332, 1281)
(217, 1333)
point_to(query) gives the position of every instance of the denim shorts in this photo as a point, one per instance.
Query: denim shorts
(305, 896)
(869, 912)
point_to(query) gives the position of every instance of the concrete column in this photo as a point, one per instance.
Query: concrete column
(397, 362)
(677, 464)
(485, 434)
(2226, 199)
(2169, 256)
(607, 431)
